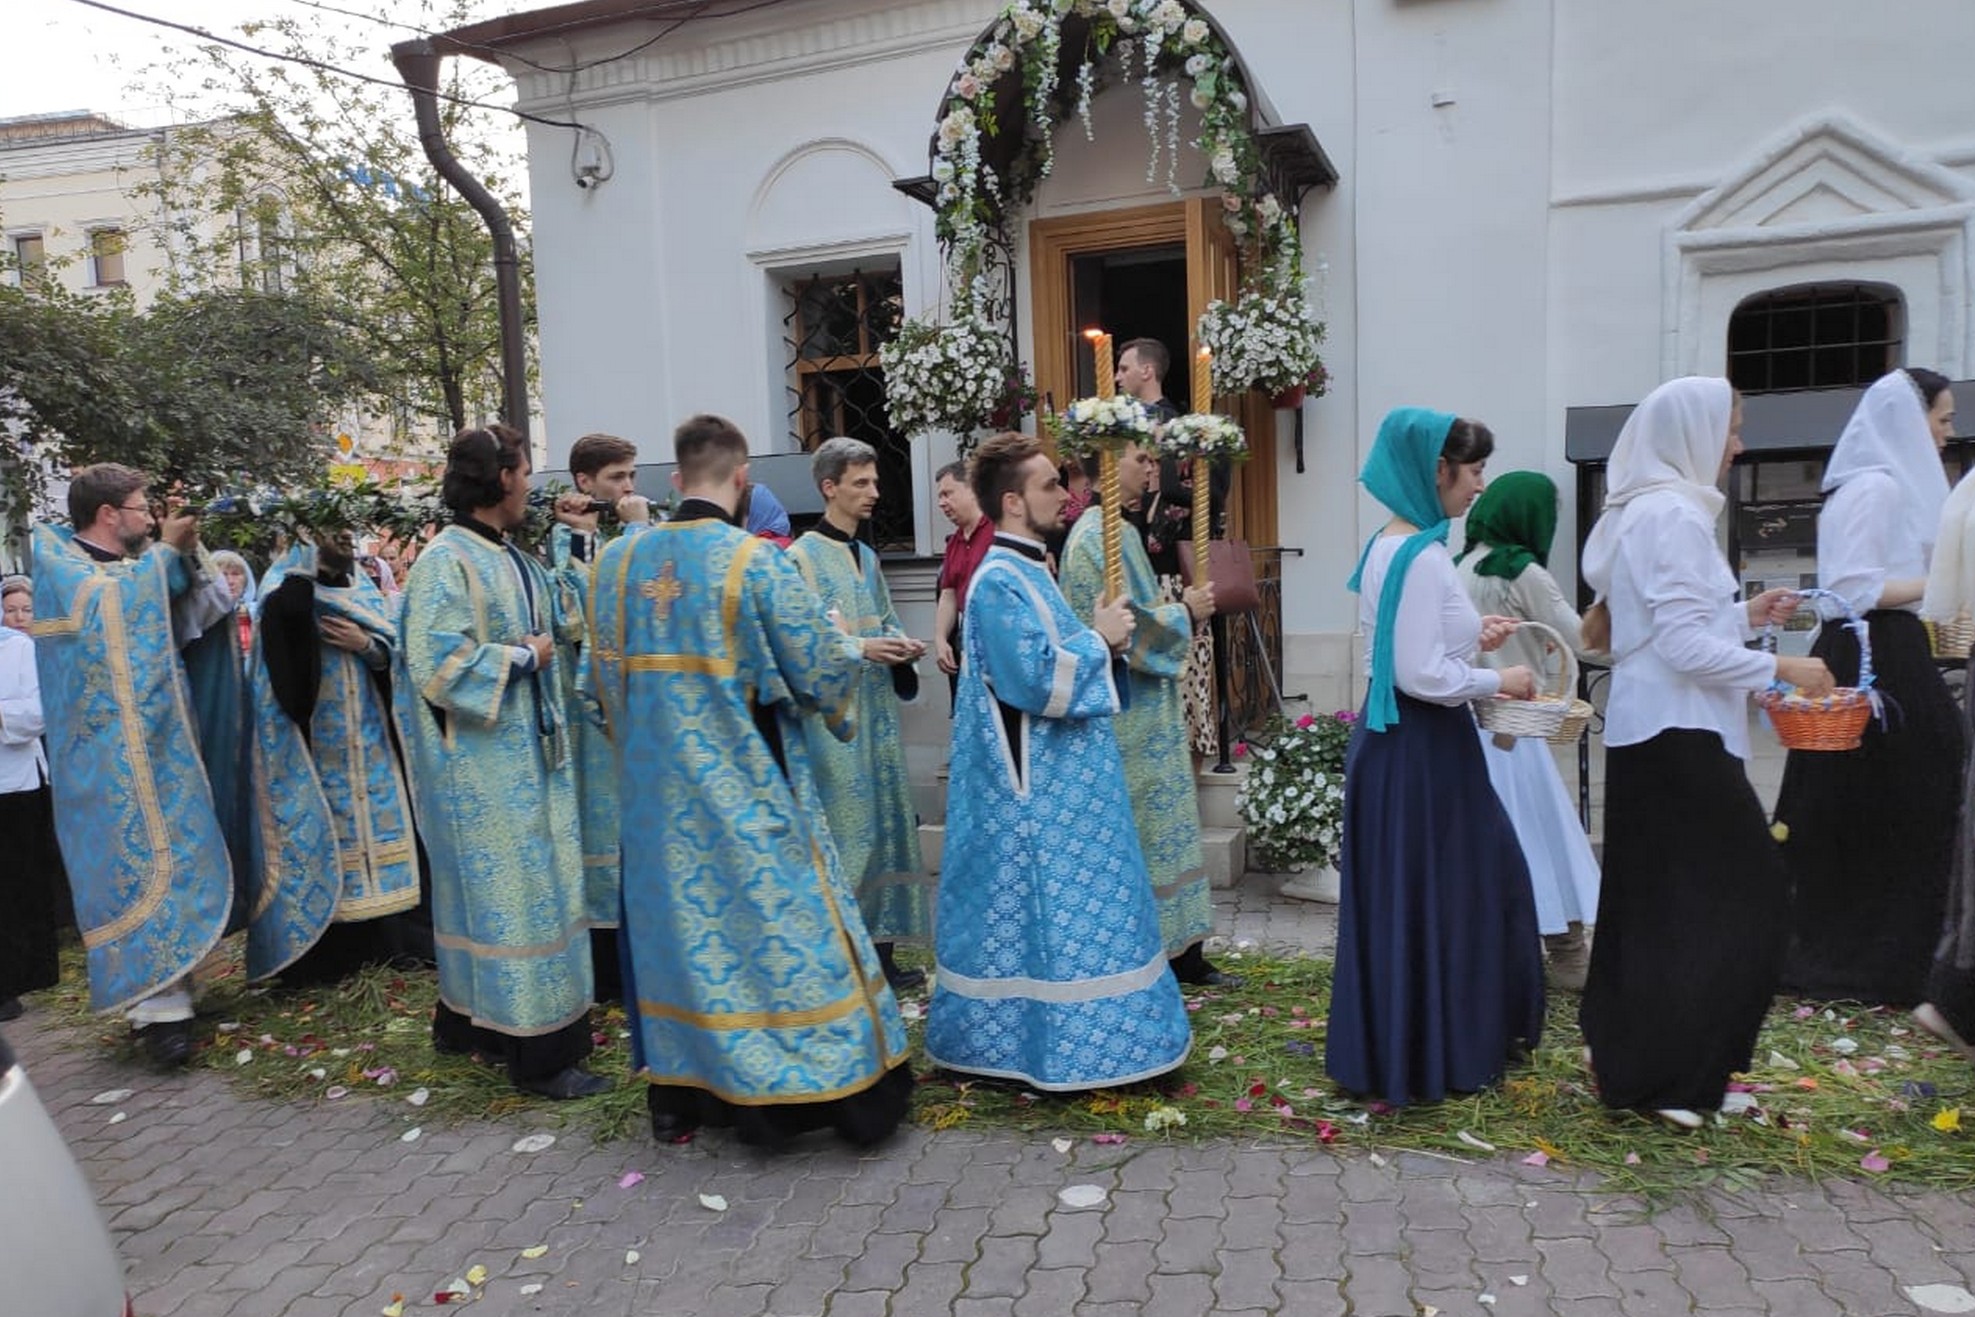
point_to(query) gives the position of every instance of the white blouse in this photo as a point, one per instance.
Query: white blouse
(1678, 631)
(1866, 538)
(1437, 631)
(1534, 596)
(22, 765)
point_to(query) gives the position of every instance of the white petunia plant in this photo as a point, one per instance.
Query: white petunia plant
(1293, 798)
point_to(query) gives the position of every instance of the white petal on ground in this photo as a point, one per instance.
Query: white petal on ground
(110, 1097)
(1061, 1145)
(1941, 1298)
(534, 1142)
(418, 1097)
(410, 1135)
(1081, 1195)
(713, 1202)
(631, 1256)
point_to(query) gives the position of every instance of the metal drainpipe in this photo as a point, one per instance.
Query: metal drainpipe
(418, 65)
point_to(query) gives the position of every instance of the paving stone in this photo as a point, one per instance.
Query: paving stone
(1122, 1274)
(1715, 1274)
(1071, 1240)
(955, 1235)
(881, 1263)
(1651, 1291)
(1003, 1268)
(1575, 1268)
(1636, 1248)
(1312, 1298)
(1378, 1285)
(1798, 1297)
(1189, 1245)
(1051, 1293)
(1135, 1214)
(930, 1287)
(1247, 1279)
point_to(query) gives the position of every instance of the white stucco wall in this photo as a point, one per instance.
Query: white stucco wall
(1542, 206)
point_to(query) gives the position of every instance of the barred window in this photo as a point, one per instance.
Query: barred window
(1816, 336)
(833, 325)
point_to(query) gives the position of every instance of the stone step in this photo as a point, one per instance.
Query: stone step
(1217, 795)
(1223, 850)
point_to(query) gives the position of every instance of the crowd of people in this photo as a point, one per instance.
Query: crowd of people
(661, 762)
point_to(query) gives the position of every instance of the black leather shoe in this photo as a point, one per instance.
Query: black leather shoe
(11, 1009)
(575, 1082)
(902, 980)
(169, 1045)
(668, 1128)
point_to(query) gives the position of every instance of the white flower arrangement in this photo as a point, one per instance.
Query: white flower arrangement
(1266, 339)
(1293, 798)
(945, 377)
(1203, 434)
(1090, 424)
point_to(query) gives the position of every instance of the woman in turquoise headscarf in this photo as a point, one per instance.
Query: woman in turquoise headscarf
(1505, 570)
(1439, 975)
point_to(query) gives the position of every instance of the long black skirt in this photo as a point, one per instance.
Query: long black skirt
(1871, 830)
(34, 894)
(1690, 929)
(1439, 973)
(1951, 985)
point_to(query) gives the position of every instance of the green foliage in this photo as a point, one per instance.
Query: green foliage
(323, 189)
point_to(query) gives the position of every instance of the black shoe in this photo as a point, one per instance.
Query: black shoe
(1192, 968)
(1217, 978)
(574, 1082)
(668, 1128)
(169, 1045)
(900, 979)
(11, 1009)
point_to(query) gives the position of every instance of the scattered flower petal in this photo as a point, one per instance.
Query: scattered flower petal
(418, 1097)
(1947, 1120)
(476, 1275)
(335, 1091)
(1518, 1280)
(1377, 1160)
(410, 1135)
(119, 1118)
(713, 1202)
(1061, 1145)
(1217, 1054)
(1844, 1046)
(243, 1056)
(1107, 1139)
(1243, 1104)
(534, 1288)
(395, 1308)
(1631, 1159)
(110, 1097)
(318, 1074)
(1781, 1062)
(1537, 1158)
(1081, 1195)
(1473, 1142)
(1940, 1298)
(534, 1142)
(631, 1256)
(535, 1251)
(1737, 1103)
(1875, 1162)
(630, 1179)
(1485, 1299)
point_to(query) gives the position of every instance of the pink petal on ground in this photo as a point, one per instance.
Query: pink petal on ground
(1631, 1159)
(1875, 1163)
(630, 1179)
(1537, 1158)
(1243, 1104)
(1109, 1140)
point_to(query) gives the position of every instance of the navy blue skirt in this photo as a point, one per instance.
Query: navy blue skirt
(1439, 976)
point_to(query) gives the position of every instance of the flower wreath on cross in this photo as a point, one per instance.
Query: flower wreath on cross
(1269, 332)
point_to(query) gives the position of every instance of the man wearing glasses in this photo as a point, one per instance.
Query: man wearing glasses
(135, 811)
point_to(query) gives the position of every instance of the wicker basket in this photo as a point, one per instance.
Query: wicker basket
(1836, 721)
(1543, 716)
(1574, 723)
(1954, 638)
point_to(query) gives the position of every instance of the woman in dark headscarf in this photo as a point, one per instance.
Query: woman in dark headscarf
(1439, 976)
(1505, 569)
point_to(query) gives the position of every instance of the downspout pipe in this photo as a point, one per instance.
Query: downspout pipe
(418, 64)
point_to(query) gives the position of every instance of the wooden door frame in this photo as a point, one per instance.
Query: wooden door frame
(1194, 224)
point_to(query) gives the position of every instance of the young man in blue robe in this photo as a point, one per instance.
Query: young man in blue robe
(493, 780)
(135, 810)
(755, 996)
(866, 794)
(1051, 970)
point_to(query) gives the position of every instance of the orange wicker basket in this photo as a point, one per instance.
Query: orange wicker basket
(1831, 722)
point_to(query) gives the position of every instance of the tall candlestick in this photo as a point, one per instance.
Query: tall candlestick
(1203, 381)
(1107, 375)
(1114, 544)
(1202, 520)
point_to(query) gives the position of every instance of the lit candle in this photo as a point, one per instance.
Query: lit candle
(1203, 381)
(1107, 376)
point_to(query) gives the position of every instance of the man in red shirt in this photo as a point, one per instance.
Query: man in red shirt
(972, 537)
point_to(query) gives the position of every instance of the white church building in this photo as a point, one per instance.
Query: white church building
(1529, 212)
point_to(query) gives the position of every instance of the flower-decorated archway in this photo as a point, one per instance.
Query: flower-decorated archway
(1039, 63)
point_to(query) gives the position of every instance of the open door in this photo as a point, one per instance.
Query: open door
(1152, 270)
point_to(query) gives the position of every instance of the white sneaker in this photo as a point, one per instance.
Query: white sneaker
(1680, 1118)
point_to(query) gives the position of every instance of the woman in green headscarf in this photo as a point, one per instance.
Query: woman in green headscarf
(1439, 975)
(1505, 570)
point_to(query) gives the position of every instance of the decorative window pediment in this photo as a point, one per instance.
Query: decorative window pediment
(1829, 171)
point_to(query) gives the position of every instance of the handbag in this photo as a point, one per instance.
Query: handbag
(1232, 570)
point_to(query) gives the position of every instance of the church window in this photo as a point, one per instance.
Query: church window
(832, 327)
(1816, 336)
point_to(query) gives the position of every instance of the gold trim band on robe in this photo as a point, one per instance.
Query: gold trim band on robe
(454, 942)
(738, 1020)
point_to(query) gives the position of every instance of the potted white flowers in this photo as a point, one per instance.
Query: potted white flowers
(1293, 800)
(1266, 339)
(947, 377)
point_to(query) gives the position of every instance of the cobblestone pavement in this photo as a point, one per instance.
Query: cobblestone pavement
(225, 1207)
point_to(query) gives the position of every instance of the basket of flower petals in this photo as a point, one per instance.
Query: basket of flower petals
(1827, 722)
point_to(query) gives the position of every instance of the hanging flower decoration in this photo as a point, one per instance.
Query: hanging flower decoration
(1169, 51)
(1265, 339)
(956, 376)
(1203, 434)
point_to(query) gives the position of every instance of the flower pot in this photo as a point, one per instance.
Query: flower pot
(1319, 884)
(1289, 399)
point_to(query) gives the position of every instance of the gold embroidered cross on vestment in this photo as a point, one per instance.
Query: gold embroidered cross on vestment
(663, 589)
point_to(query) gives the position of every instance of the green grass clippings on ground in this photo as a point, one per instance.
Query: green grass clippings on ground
(1836, 1091)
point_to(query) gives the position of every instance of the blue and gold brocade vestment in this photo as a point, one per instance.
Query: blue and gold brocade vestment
(596, 773)
(494, 786)
(1051, 968)
(134, 812)
(753, 976)
(866, 794)
(1151, 728)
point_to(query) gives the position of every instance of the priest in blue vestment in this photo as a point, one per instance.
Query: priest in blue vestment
(135, 813)
(1051, 969)
(493, 781)
(755, 996)
(866, 794)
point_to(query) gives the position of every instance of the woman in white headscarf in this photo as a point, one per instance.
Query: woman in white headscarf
(1869, 833)
(1689, 932)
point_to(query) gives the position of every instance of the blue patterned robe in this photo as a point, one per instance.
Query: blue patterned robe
(336, 827)
(495, 787)
(863, 784)
(1151, 729)
(755, 979)
(596, 771)
(134, 813)
(1051, 970)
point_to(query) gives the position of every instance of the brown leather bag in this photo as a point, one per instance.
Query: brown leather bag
(1232, 570)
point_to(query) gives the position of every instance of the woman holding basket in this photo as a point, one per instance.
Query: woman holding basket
(1438, 980)
(1688, 939)
(1505, 569)
(1870, 832)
